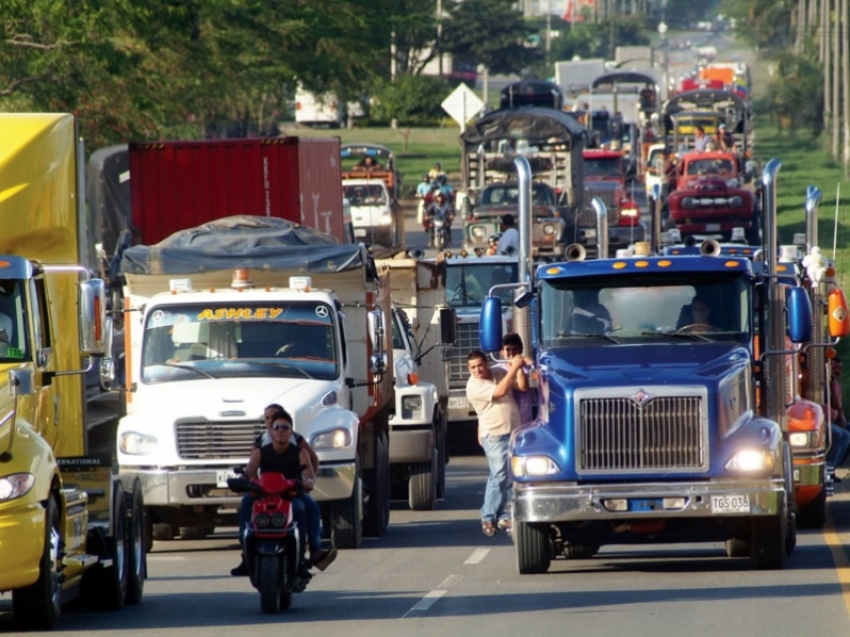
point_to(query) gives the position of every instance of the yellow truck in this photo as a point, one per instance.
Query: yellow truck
(68, 527)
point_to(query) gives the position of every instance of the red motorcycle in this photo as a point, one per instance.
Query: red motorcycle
(272, 541)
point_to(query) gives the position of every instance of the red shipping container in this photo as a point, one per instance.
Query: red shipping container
(182, 184)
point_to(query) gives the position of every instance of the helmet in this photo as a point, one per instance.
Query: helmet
(425, 177)
(441, 179)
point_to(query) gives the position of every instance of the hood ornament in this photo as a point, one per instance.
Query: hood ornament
(641, 398)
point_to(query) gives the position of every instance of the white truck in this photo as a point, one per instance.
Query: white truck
(423, 331)
(223, 320)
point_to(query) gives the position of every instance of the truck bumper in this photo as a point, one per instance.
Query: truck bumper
(198, 487)
(809, 474)
(21, 544)
(411, 445)
(581, 503)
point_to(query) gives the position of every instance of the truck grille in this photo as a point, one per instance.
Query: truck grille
(667, 433)
(610, 197)
(206, 440)
(467, 340)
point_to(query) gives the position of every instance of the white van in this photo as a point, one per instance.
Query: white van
(313, 109)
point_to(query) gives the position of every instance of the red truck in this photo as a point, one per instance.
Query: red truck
(707, 197)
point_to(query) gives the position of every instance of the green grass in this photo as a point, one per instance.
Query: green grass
(425, 146)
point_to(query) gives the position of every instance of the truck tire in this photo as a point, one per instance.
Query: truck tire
(105, 587)
(422, 488)
(37, 607)
(442, 458)
(813, 514)
(163, 532)
(346, 516)
(736, 547)
(767, 546)
(533, 554)
(268, 582)
(137, 545)
(376, 482)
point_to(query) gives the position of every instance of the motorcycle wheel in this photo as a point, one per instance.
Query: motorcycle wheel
(439, 242)
(269, 583)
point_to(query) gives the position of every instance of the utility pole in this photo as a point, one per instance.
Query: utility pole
(440, 36)
(548, 32)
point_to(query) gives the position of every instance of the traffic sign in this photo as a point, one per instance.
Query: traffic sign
(462, 105)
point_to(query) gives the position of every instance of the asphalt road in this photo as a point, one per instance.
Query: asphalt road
(435, 573)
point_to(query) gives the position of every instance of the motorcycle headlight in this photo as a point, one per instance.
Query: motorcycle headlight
(15, 486)
(533, 466)
(135, 444)
(333, 439)
(262, 521)
(278, 520)
(752, 461)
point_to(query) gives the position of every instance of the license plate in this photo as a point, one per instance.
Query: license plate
(458, 402)
(221, 478)
(730, 504)
(712, 227)
(360, 232)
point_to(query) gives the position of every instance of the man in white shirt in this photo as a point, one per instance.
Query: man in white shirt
(509, 241)
(489, 392)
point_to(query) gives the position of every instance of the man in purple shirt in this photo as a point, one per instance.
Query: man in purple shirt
(512, 346)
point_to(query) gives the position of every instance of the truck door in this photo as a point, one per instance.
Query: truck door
(47, 406)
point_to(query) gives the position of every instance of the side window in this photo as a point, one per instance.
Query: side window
(42, 337)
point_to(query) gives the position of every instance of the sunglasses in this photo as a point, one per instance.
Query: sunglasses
(277, 427)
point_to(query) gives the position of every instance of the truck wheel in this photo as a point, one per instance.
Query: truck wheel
(148, 532)
(533, 554)
(105, 587)
(767, 546)
(438, 240)
(269, 583)
(346, 516)
(377, 483)
(137, 545)
(163, 532)
(37, 606)
(737, 548)
(580, 551)
(791, 535)
(422, 488)
(442, 460)
(813, 514)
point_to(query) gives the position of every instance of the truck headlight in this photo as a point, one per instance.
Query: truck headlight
(549, 229)
(533, 466)
(15, 486)
(411, 403)
(479, 232)
(752, 461)
(333, 439)
(803, 439)
(136, 444)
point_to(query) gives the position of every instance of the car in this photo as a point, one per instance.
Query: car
(376, 216)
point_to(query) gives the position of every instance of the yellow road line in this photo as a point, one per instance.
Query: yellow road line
(839, 557)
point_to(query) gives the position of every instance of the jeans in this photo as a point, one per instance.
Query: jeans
(840, 446)
(314, 522)
(498, 491)
(298, 513)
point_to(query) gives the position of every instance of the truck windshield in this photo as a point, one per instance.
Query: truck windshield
(603, 167)
(697, 307)
(541, 195)
(287, 340)
(467, 284)
(365, 195)
(13, 324)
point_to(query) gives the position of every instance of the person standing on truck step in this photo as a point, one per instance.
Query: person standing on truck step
(700, 139)
(509, 241)
(489, 393)
(512, 346)
(840, 448)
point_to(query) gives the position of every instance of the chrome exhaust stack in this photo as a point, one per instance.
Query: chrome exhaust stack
(813, 199)
(601, 227)
(774, 365)
(522, 315)
(816, 377)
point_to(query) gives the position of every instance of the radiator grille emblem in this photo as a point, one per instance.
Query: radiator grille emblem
(641, 398)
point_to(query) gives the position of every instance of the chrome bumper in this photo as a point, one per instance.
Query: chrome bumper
(164, 487)
(574, 503)
(808, 475)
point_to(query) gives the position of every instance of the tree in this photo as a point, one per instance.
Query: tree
(410, 99)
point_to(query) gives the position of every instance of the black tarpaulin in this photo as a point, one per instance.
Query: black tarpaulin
(530, 123)
(108, 194)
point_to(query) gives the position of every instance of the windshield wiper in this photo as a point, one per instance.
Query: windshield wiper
(192, 368)
(693, 336)
(279, 366)
(613, 339)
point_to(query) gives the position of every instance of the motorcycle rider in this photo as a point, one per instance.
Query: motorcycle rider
(423, 190)
(281, 452)
(439, 209)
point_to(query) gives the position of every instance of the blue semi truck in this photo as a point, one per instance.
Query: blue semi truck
(656, 422)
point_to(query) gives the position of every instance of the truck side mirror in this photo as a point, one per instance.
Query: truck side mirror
(92, 317)
(378, 359)
(799, 308)
(490, 325)
(106, 369)
(448, 326)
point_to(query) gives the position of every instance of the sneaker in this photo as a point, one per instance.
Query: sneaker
(322, 559)
(241, 570)
(487, 528)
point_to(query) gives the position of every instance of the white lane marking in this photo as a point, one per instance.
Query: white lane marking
(166, 558)
(451, 580)
(426, 602)
(477, 556)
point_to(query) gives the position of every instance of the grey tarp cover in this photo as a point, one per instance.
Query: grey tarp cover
(108, 194)
(248, 242)
(529, 123)
(623, 77)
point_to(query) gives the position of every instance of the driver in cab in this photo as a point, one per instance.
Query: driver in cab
(700, 319)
